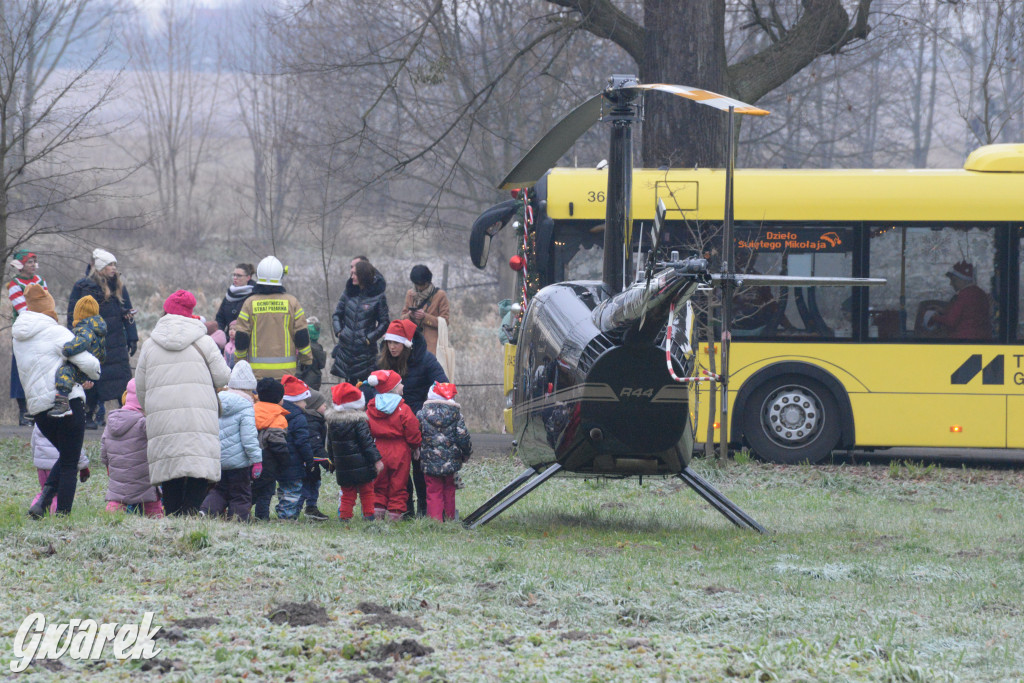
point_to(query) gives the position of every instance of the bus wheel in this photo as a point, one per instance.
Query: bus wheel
(791, 419)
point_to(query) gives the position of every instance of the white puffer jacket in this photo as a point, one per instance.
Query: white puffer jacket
(45, 455)
(38, 345)
(174, 386)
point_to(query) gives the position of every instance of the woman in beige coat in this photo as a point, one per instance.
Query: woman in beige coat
(180, 369)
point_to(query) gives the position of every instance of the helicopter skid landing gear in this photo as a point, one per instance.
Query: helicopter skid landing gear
(497, 504)
(729, 509)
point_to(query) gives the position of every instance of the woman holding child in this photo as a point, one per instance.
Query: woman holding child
(39, 341)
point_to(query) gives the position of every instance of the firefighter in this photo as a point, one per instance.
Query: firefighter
(271, 331)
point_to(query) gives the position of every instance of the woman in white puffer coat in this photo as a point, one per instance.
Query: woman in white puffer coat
(38, 347)
(180, 369)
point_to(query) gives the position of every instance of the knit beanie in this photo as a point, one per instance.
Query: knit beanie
(269, 389)
(384, 380)
(243, 378)
(294, 388)
(85, 308)
(442, 391)
(101, 258)
(39, 300)
(401, 331)
(344, 396)
(180, 303)
(315, 400)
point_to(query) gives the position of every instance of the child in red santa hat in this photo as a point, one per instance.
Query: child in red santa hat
(397, 433)
(357, 462)
(446, 446)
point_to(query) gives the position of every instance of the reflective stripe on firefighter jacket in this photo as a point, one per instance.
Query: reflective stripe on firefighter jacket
(272, 322)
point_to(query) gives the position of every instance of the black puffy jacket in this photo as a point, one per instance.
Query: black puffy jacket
(230, 307)
(351, 445)
(421, 374)
(360, 320)
(116, 368)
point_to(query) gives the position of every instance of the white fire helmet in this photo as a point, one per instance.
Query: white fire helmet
(269, 271)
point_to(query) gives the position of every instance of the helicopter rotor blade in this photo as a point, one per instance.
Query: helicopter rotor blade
(556, 142)
(797, 280)
(712, 99)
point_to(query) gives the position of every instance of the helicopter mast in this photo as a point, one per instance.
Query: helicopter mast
(622, 96)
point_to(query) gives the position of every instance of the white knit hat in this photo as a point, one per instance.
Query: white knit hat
(101, 258)
(242, 377)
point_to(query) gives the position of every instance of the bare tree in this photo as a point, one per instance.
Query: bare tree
(54, 81)
(178, 81)
(269, 105)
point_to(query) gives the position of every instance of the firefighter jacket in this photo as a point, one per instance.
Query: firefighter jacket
(271, 333)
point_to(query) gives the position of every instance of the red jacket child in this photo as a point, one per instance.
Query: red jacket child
(396, 432)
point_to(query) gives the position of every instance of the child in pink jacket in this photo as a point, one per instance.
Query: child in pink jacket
(123, 452)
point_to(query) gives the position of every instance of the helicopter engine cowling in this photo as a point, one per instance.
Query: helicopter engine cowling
(593, 391)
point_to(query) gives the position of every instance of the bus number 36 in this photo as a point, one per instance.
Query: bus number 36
(595, 196)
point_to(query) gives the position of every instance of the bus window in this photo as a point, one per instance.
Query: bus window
(793, 312)
(940, 283)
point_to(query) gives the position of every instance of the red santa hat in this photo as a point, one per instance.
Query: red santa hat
(384, 380)
(442, 391)
(401, 331)
(344, 396)
(294, 388)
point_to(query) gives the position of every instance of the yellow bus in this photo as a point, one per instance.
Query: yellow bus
(932, 359)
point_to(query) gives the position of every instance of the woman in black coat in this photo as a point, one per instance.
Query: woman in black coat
(238, 291)
(105, 285)
(360, 320)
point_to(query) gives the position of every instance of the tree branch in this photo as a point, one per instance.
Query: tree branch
(824, 28)
(605, 20)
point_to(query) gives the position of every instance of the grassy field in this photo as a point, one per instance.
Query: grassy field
(900, 573)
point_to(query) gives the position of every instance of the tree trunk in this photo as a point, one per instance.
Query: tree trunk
(685, 45)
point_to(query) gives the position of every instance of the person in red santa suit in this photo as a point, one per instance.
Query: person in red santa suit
(396, 431)
(968, 315)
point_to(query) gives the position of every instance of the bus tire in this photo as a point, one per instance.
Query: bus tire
(791, 419)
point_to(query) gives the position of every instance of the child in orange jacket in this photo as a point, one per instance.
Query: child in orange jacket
(396, 432)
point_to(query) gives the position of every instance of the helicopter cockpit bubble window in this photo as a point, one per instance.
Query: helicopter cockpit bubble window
(928, 270)
(578, 252)
(766, 312)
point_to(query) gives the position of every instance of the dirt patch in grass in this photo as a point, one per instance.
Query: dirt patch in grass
(196, 622)
(372, 608)
(613, 506)
(577, 635)
(487, 586)
(715, 589)
(374, 673)
(400, 649)
(49, 664)
(299, 614)
(634, 643)
(390, 621)
(173, 635)
(163, 666)
(968, 554)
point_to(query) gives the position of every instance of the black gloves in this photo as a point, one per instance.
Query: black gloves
(132, 348)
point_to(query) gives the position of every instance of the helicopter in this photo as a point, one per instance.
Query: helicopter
(601, 389)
